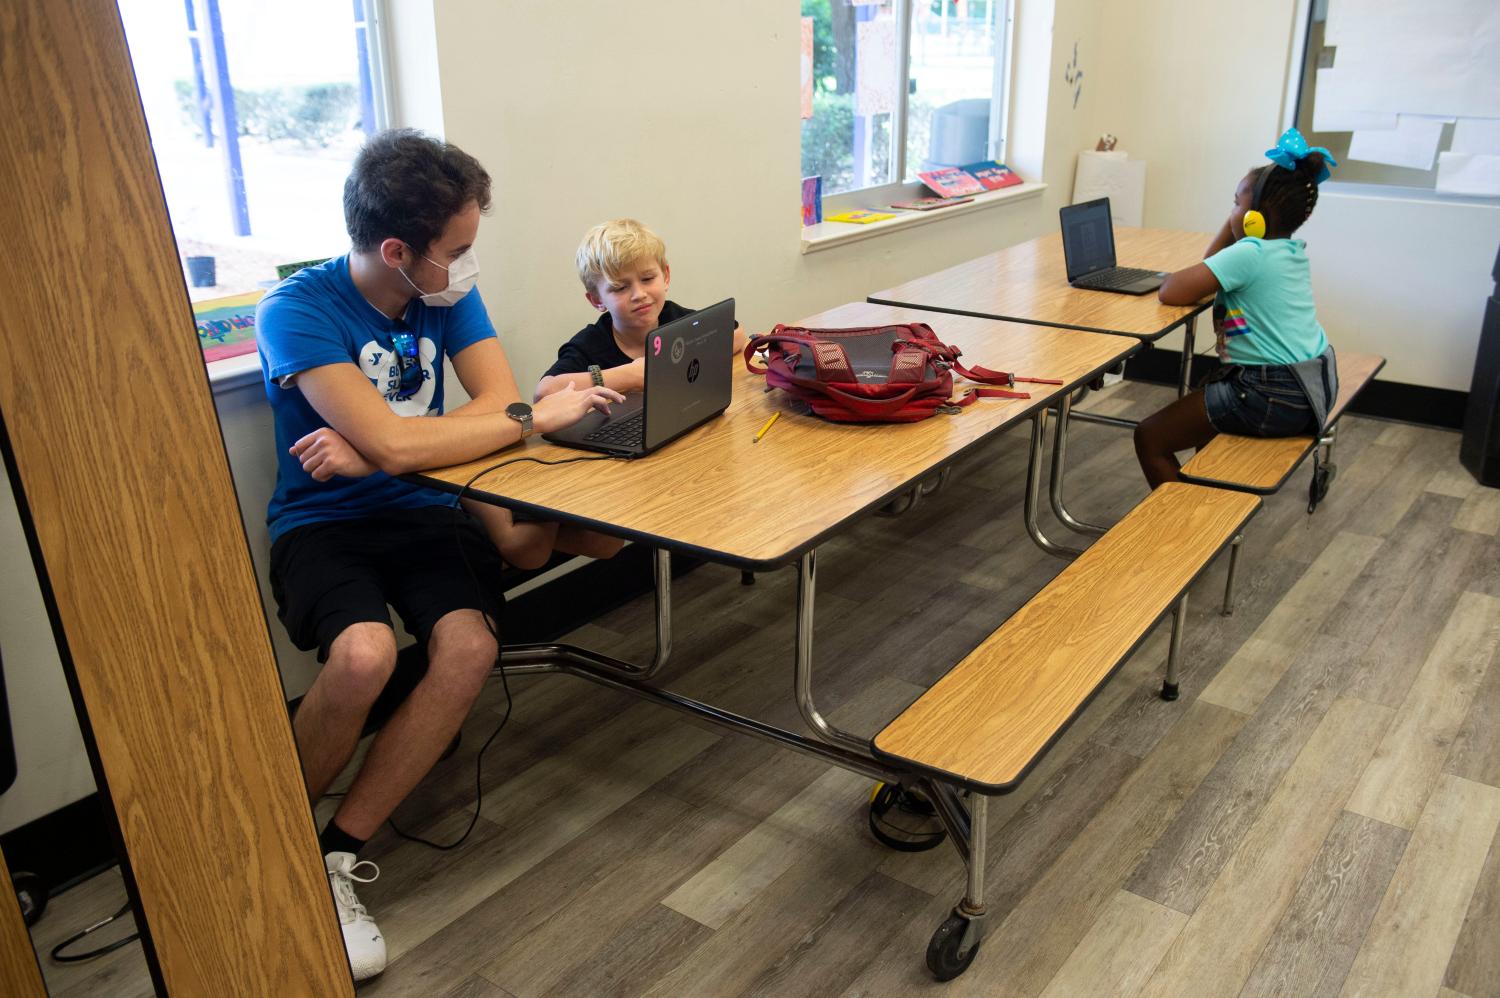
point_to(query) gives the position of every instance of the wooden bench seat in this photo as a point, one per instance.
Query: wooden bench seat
(1263, 464)
(985, 723)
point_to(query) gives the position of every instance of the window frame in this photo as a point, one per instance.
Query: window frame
(881, 195)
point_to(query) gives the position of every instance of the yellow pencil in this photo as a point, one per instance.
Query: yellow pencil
(774, 417)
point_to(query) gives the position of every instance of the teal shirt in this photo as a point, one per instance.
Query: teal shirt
(1267, 294)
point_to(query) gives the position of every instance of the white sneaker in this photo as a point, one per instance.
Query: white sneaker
(362, 939)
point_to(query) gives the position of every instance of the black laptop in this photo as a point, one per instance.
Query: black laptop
(1088, 237)
(689, 369)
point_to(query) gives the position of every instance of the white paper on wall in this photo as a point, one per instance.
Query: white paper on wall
(1327, 120)
(1115, 176)
(1468, 173)
(1476, 135)
(1413, 143)
(875, 66)
(1412, 57)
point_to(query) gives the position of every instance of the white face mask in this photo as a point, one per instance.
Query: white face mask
(463, 274)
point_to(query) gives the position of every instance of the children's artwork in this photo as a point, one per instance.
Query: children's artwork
(226, 326)
(860, 216)
(929, 204)
(812, 200)
(875, 66)
(992, 175)
(951, 182)
(807, 69)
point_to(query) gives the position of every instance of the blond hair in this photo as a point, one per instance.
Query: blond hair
(607, 249)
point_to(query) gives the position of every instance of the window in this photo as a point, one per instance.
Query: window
(900, 87)
(256, 109)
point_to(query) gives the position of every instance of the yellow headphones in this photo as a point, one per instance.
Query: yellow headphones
(1254, 223)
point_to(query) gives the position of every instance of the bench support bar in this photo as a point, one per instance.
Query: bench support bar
(1234, 561)
(1174, 650)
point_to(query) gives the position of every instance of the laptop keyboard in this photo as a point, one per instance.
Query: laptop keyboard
(627, 432)
(1116, 278)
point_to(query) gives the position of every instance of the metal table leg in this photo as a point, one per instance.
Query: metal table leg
(956, 941)
(1188, 329)
(1059, 469)
(1034, 492)
(807, 569)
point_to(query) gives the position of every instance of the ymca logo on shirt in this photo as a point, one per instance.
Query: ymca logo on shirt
(381, 366)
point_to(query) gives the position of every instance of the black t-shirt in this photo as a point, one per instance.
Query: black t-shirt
(595, 344)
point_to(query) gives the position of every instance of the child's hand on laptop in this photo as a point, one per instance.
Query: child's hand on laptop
(568, 405)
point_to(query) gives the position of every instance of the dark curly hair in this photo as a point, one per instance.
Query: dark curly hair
(408, 185)
(1287, 197)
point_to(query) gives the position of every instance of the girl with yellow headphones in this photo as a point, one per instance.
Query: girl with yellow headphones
(1279, 377)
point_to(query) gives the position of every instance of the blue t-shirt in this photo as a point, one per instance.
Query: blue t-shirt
(1267, 295)
(317, 317)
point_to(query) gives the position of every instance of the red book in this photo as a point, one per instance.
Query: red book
(951, 182)
(992, 175)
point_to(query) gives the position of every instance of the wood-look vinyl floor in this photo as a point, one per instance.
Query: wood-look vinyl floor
(1317, 815)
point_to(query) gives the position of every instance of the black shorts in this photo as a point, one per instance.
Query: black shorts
(328, 576)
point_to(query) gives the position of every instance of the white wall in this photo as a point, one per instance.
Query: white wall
(53, 769)
(684, 115)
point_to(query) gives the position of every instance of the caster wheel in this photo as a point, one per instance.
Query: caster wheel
(903, 820)
(31, 895)
(944, 957)
(1169, 691)
(747, 578)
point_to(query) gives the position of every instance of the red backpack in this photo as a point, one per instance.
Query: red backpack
(873, 374)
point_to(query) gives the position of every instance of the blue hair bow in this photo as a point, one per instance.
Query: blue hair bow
(1292, 148)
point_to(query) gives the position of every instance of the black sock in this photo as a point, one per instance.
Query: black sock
(335, 839)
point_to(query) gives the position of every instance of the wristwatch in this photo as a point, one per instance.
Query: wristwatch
(521, 413)
(596, 376)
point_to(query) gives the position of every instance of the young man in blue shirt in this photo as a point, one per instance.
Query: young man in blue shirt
(356, 346)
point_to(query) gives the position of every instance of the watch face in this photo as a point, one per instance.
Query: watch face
(518, 410)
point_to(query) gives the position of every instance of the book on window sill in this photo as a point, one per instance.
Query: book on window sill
(929, 204)
(992, 175)
(226, 326)
(859, 217)
(951, 182)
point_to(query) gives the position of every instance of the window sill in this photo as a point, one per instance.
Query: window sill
(826, 235)
(234, 372)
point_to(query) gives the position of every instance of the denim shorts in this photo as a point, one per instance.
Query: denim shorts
(1258, 401)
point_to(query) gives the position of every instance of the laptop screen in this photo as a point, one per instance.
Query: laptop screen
(1088, 238)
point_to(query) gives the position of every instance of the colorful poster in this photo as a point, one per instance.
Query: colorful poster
(875, 66)
(226, 326)
(807, 67)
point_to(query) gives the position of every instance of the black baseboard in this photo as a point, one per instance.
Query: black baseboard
(73, 842)
(63, 847)
(1441, 407)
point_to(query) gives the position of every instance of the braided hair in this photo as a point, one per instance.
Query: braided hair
(1287, 197)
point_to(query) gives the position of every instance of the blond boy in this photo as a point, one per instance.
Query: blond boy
(623, 267)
